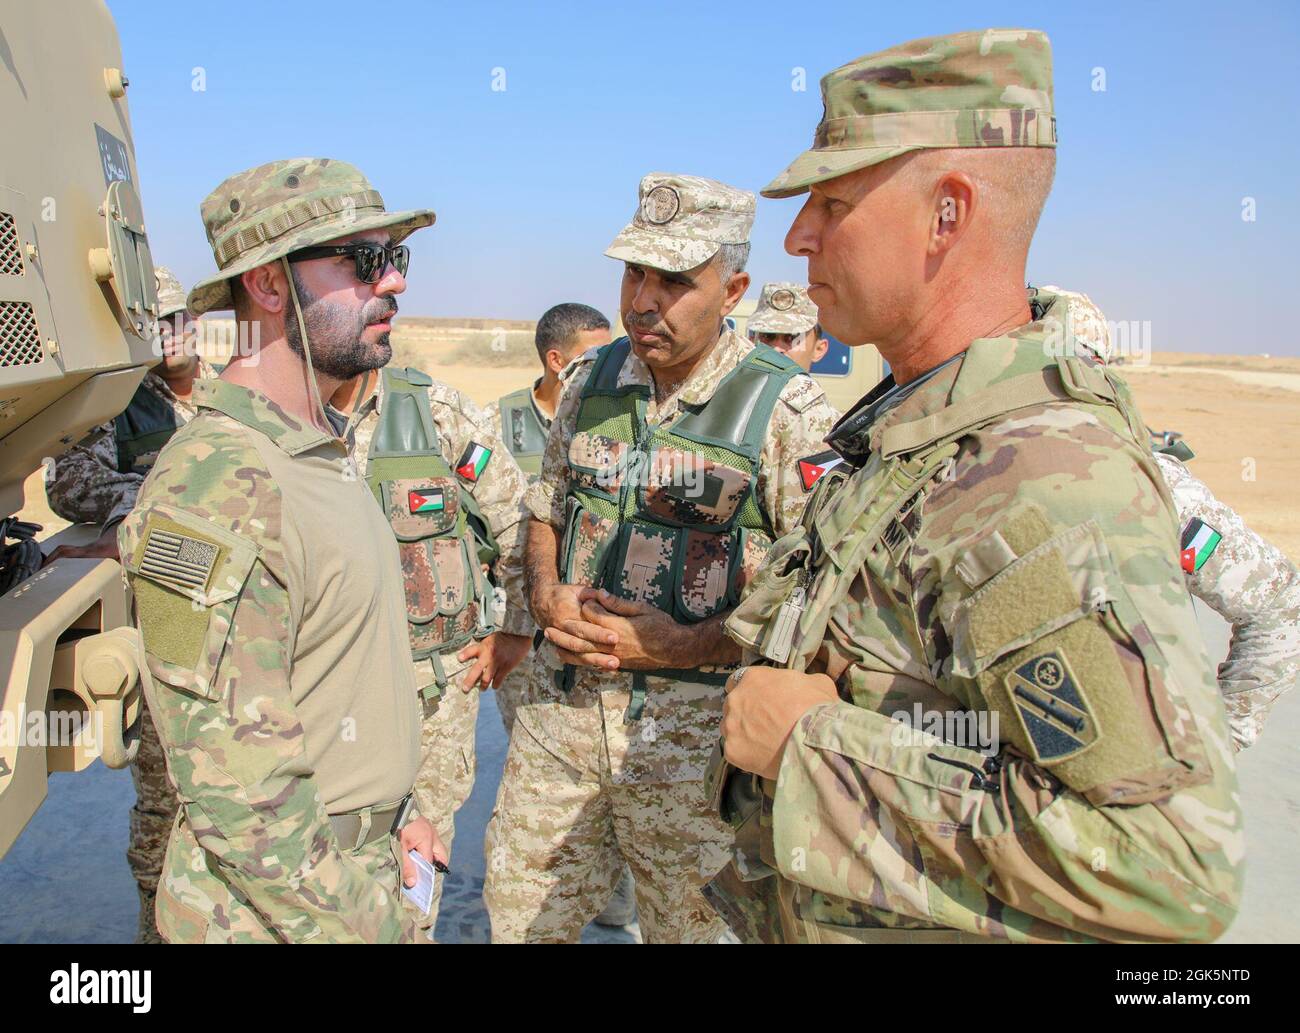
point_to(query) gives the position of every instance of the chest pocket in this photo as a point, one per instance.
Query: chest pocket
(598, 463)
(437, 563)
(692, 490)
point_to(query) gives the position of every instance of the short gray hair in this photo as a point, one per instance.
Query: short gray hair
(731, 259)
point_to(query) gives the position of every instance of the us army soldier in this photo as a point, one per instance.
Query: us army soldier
(1004, 548)
(96, 482)
(454, 497)
(670, 467)
(522, 419)
(786, 319)
(1242, 577)
(268, 589)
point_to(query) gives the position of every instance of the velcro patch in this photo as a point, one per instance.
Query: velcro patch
(1197, 545)
(812, 468)
(473, 461)
(425, 500)
(178, 559)
(1051, 707)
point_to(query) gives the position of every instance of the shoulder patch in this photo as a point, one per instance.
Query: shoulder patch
(1197, 544)
(1052, 708)
(178, 559)
(473, 461)
(811, 468)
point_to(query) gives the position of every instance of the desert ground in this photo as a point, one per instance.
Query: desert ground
(1239, 414)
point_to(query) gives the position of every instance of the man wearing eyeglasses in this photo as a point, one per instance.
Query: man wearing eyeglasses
(268, 591)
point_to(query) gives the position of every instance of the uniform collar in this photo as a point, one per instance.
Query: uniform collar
(542, 418)
(700, 386)
(986, 361)
(257, 412)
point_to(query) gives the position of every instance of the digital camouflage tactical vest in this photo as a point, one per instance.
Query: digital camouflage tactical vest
(441, 536)
(523, 431)
(670, 515)
(142, 429)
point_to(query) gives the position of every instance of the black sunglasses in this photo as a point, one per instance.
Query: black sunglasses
(371, 259)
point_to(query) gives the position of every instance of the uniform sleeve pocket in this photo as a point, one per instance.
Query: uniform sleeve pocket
(187, 576)
(1053, 648)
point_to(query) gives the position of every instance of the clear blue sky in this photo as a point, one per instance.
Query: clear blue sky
(531, 183)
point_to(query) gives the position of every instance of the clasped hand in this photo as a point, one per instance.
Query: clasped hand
(590, 627)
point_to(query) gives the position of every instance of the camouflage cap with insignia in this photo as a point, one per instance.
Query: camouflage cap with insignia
(987, 88)
(262, 214)
(171, 295)
(783, 308)
(681, 221)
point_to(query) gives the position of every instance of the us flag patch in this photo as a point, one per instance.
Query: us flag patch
(178, 559)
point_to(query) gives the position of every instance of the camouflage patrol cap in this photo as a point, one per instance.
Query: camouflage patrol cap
(783, 308)
(262, 214)
(171, 295)
(681, 221)
(987, 88)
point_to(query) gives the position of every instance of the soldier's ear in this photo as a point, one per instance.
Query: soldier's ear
(954, 199)
(555, 361)
(733, 290)
(266, 288)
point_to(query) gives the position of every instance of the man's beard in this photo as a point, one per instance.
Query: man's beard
(334, 332)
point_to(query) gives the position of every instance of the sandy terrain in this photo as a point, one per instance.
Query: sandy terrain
(1240, 414)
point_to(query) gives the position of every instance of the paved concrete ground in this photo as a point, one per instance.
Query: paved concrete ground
(66, 879)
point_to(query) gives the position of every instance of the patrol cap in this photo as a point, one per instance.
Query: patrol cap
(783, 308)
(262, 214)
(987, 88)
(682, 221)
(171, 295)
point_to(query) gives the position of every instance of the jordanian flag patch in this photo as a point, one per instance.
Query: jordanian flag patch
(474, 461)
(425, 500)
(812, 468)
(1198, 544)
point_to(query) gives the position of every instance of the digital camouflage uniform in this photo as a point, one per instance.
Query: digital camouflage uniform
(268, 596)
(512, 690)
(588, 785)
(999, 544)
(96, 482)
(447, 767)
(1238, 574)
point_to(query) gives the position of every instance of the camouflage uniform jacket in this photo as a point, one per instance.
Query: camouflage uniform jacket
(499, 490)
(85, 485)
(672, 744)
(1256, 589)
(1007, 557)
(268, 597)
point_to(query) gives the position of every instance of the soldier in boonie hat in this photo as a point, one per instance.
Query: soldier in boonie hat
(990, 88)
(293, 210)
(682, 221)
(264, 214)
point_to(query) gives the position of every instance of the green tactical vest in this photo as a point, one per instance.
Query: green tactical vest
(141, 431)
(523, 431)
(441, 535)
(670, 515)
